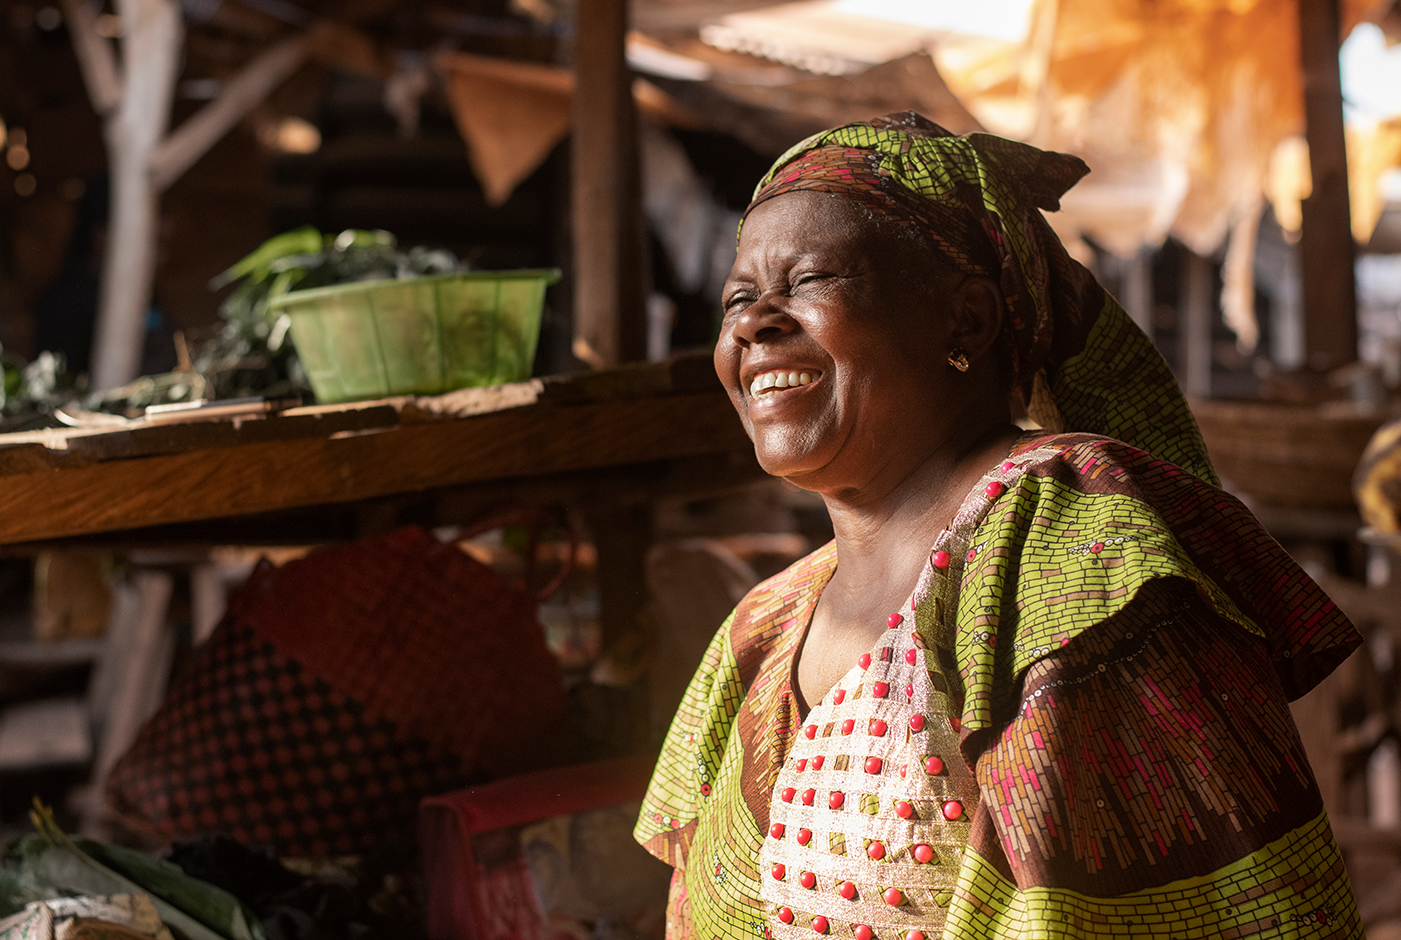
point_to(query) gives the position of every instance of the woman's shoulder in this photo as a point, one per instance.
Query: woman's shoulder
(786, 594)
(1082, 453)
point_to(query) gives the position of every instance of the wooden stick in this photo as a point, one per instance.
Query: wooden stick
(95, 57)
(179, 151)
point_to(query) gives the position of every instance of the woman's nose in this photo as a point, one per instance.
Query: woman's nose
(761, 322)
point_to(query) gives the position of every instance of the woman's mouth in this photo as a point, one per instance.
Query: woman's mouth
(776, 380)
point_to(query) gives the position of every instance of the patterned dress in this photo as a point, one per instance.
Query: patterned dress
(1077, 726)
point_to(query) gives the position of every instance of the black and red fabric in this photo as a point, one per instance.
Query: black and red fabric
(339, 690)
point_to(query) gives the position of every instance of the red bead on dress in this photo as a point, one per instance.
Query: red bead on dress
(916, 722)
(941, 559)
(894, 620)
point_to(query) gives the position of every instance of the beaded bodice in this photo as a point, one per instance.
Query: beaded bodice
(871, 809)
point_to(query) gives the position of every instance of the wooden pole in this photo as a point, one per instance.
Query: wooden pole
(151, 62)
(1138, 290)
(1326, 246)
(1195, 323)
(609, 316)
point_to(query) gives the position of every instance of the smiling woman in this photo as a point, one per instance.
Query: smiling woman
(1038, 685)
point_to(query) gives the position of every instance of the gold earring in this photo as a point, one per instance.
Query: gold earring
(959, 359)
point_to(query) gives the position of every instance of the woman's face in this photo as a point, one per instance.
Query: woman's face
(820, 293)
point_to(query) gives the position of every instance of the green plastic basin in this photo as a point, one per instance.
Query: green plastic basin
(417, 336)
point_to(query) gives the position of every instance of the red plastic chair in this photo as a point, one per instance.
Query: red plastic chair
(466, 901)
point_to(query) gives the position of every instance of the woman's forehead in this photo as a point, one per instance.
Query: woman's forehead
(818, 219)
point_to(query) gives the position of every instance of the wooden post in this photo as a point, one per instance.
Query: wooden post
(151, 47)
(609, 316)
(1326, 245)
(1195, 320)
(1138, 290)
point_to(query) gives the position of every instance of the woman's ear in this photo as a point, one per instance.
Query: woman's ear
(978, 312)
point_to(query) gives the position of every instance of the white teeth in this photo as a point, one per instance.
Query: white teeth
(774, 380)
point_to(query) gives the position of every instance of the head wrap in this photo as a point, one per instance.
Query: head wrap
(1078, 362)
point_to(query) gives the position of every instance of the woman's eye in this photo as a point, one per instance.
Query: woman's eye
(737, 302)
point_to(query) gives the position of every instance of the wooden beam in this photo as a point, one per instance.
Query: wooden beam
(95, 57)
(609, 315)
(1326, 246)
(179, 151)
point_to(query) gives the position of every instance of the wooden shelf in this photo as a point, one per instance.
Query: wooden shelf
(622, 435)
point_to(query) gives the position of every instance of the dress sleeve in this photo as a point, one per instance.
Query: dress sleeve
(1151, 778)
(690, 754)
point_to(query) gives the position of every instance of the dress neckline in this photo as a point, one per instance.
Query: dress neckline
(951, 541)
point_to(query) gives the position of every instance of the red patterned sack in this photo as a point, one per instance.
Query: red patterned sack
(339, 690)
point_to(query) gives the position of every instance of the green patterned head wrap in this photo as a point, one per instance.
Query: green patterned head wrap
(1078, 362)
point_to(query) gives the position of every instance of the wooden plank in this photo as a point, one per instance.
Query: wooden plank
(274, 475)
(1326, 247)
(609, 315)
(63, 448)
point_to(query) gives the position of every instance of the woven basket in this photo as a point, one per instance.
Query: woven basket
(1295, 456)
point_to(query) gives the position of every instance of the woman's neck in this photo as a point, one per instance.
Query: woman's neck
(879, 537)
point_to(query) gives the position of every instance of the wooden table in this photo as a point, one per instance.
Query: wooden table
(605, 444)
